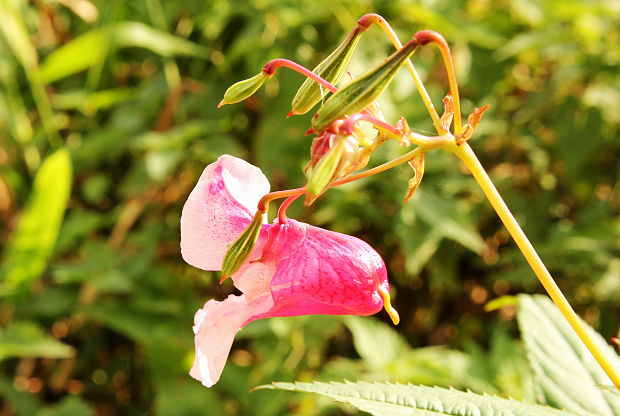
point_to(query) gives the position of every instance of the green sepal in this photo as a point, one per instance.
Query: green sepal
(243, 89)
(241, 249)
(331, 69)
(358, 94)
(324, 172)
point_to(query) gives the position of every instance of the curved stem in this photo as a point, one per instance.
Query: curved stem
(263, 204)
(466, 154)
(429, 36)
(282, 218)
(385, 26)
(378, 169)
(428, 142)
(270, 68)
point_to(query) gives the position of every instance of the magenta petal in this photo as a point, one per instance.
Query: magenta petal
(218, 209)
(295, 269)
(325, 273)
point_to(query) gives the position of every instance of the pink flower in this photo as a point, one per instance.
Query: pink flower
(294, 269)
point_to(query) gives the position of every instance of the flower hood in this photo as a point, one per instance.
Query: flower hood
(294, 268)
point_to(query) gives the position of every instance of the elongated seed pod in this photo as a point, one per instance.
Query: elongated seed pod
(359, 93)
(331, 69)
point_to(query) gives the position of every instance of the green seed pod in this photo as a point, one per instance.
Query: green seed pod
(243, 89)
(241, 249)
(359, 93)
(331, 70)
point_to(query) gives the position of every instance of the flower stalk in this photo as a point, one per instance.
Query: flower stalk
(467, 155)
(358, 94)
(426, 99)
(242, 90)
(429, 36)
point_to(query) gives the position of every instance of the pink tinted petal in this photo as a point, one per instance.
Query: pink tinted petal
(254, 277)
(218, 209)
(326, 273)
(216, 324)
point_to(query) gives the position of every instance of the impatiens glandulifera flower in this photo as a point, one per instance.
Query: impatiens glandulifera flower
(293, 269)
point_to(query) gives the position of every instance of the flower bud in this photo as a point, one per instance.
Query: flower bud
(243, 89)
(342, 154)
(241, 249)
(361, 92)
(320, 145)
(331, 69)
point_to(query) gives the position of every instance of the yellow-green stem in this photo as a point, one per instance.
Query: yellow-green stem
(426, 36)
(385, 26)
(264, 202)
(466, 154)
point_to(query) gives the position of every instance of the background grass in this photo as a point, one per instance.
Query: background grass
(107, 117)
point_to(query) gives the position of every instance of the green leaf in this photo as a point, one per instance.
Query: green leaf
(88, 49)
(16, 34)
(385, 399)
(21, 402)
(126, 319)
(566, 373)
(374, 341)
(446, 218)
(90, 103)
(502, 365)
(33, 240)
(70, 406)
(26, 339)
(386, 355)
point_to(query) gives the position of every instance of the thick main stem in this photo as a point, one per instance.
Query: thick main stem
(466, 154)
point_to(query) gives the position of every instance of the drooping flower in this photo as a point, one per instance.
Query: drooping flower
(294, 268)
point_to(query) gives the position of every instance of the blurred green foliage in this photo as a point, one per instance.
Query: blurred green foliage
(116, 101)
